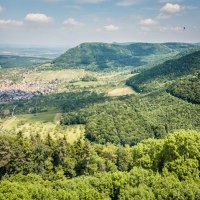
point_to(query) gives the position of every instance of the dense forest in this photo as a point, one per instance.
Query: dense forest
(132, 119)
(154, 169)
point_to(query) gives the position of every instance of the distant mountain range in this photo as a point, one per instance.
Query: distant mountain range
(100, 56)
(29, 51)
(23, 56)
(9, 61)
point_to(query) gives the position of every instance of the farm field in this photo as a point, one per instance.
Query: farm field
(66, 80)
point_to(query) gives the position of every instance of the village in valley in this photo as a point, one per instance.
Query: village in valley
(10, 91)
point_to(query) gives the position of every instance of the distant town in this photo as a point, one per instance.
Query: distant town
(10, 91)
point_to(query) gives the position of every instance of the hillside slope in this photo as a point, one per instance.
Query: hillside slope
(162, 74)
(101, 55)
(187, 88)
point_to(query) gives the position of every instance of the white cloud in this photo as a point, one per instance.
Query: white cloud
(51, 1)
(163, 16)
(111, 27)
(172, 8)
(38, 17)
(145, 29)
(127, 2)
(172, 28)
(170, 1)
(72, 22)
(10, 22)
(148, 22)
(1, 8)
(176, 28)
(91, 1)
(77, 1)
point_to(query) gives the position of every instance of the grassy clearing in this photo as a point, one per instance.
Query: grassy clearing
(121, 92)
(88, 84)
(40, 117)
(20, 120)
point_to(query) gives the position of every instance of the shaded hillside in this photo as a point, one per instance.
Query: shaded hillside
(168, 71)
(187, 88)
(102, 56)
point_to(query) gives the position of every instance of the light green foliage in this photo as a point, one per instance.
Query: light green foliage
(181, 154)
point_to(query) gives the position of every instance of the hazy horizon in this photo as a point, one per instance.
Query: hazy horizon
(65, 46)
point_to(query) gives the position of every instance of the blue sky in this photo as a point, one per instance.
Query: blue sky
(70, 22)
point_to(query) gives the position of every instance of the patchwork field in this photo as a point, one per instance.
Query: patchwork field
(50, 75)
(110, 83)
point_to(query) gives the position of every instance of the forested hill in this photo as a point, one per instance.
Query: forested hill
(168, 71)
(98, 56)
(187, 88)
